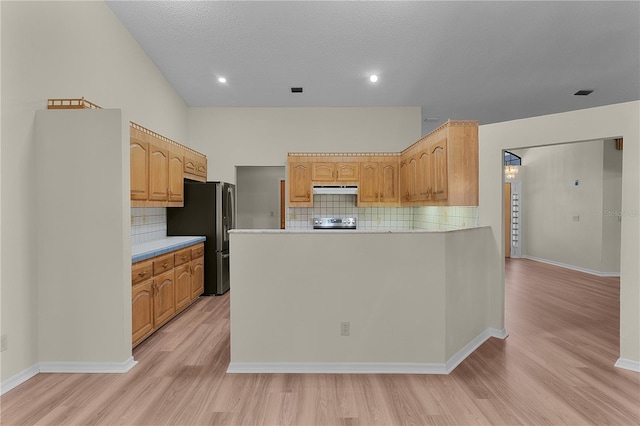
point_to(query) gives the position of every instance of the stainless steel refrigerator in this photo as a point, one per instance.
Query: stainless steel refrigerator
(209, 210)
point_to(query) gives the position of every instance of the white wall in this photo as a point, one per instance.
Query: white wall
(60, 50)
(564, 223)
(232, 137)
(620, 120)
(84, 250)
(413, 300)
(612, 206)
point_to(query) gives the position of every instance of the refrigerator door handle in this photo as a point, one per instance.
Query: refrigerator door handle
(224, 256)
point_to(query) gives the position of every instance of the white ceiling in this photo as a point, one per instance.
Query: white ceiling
(490, 61)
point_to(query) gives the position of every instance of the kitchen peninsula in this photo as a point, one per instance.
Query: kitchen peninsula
(359, 301)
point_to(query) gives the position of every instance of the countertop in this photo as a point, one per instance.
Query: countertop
(161, 246)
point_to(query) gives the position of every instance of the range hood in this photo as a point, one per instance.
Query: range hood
(335, 189)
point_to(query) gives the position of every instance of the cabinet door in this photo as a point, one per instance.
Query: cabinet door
(158, 173)
(424, 175)
(202, 168)
(190, 165)
(176, 177)
(139, 163)
(300, 183)
(183, 285)
(347, 172)
(388, 183)
(368, 188)
(323, 172)
(141, 310)
(439, 177)
(404, 180)
(197, 277)
(163, 298)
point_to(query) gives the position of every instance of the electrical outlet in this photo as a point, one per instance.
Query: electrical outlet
(292, 216)
(144, 219)
(576, 218)
(4, 343)
(379, 220)
(345, 328)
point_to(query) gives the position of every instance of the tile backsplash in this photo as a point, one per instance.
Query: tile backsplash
(429, 218)
(148, 224)
(442, 218)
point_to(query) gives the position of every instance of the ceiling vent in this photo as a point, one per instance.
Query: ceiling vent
(296, 90)
(583, 92)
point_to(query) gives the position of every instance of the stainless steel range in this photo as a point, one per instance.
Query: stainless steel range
(334, 223)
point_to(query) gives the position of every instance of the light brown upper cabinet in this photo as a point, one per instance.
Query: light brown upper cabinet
(439, 177)
(139, 169)
(441, 169)
(159, 167)
(195, 166)
(158, 174)
(409, 179)
(166, 179)
(325, 171)
(446, 172)
(378, 184)
(176, 177)
(300, 184)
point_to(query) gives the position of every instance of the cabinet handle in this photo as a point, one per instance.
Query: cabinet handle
(165, 265)
(142, 274)
(308, 195)
(381, 197)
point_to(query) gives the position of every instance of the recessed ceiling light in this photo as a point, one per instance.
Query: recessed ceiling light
(373, 78)
(583, 92)
(222, 80)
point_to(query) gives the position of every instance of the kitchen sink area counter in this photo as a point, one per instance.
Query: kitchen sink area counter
(360, 301)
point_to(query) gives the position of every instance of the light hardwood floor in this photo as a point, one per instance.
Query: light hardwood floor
(556, 367)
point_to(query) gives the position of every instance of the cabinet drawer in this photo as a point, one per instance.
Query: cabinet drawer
(141, 271)
(197, 251)
(163, 264)
(183, 256)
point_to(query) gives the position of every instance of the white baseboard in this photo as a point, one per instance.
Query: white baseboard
(66, 367)
(628, 364)
(337, 367)
(18, 379)
(87, 367)
(367, 367)
(468, 349)
(575, 268)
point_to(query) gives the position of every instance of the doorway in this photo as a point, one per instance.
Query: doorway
(258, 196)
(572, 192)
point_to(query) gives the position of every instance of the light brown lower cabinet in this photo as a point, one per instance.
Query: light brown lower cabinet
(164, 286)
(197, 272)
(142, 310)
